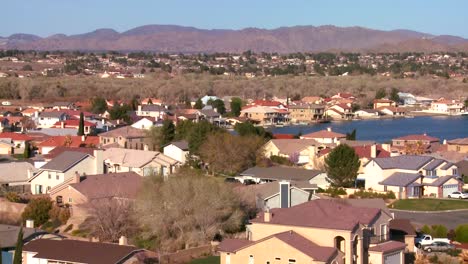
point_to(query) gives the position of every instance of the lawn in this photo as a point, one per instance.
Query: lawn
(206, 260)
(429, 204)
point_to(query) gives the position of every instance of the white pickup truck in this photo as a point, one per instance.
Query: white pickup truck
(423, 240)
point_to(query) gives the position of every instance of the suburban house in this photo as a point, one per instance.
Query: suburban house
(126, 137)
(402, 230)
(312, 100)
(337, 111)
(378, 103)
(14, 176)
(306, 113)
(367, 113)
(151, 101)
(82, 189)
(426, 141)
(280, 194)
(67, 141)
(343, 96)
(65, 166)
(41, 251)
(318, 231)
(147, 123)
(177, 150)
(274, 174)
(143, 162)
(407, 98)
(88, 128)
(264, 114)
(392, 111)
(459, 145)
(157, 111)
(447, 106)
(325, 136)
(49, 118)
(299, 151)
(13, 143)
(411, 176)
(268, 103)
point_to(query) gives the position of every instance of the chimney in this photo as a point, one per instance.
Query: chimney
(62, 124)
(267, 215)
(99, 161)
(386, 147)
(285, 200)
(29, 174)
(329, 129)
(445, 142)
(29, 223)
(83, 138)
(373, 151)
(36, 114)
(139, 108)
(123, 241)
(76, 178)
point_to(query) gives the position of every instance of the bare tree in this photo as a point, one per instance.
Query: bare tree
(110, 219)
(187, 210)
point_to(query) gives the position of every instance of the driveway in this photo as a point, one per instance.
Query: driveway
(449, 219)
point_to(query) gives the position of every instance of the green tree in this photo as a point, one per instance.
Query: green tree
(98, 105)
(236, 106)
(394, 95)
(342, 165)
(198, 135)
(27, 151)
(198, 104)
(18, 258)
(218, 104)
(352, 135)
(381, 93)
(81, 125)
(461, 233)
(248, 129)
(27, 67)
(182, 130)
(167, 132)
(38, 210)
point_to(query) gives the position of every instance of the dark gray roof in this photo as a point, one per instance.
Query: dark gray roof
(64, 161)
(447, 166)
(52, 114)
(9, 235)
(281, 173)
(209, 113)
(369, 203)
(463, 167)
(406, 162)
(153, 108)
(440, 181)
(434, 164)
(183, 145)
(401, 179)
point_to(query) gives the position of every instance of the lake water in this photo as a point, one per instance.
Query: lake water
(383, 130)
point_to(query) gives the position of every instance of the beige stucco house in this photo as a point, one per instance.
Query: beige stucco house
(319, 231)
(306, 150)
(459, 145)
(325, 136)
(306, 113)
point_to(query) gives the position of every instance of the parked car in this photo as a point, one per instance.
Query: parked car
(458, 195)
(6, 103)
(438, 246)
(424, 240)
(231, 180)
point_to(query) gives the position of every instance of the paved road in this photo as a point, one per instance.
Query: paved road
(449, 219)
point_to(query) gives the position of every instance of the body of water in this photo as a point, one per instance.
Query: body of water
(384, 130)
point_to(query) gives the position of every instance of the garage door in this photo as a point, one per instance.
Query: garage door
(449, 188)
(393, 258)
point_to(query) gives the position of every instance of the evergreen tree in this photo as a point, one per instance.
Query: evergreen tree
(218, 104)
(81, 125)
(167, 132)
(98, 105)
(381, 93)
(27, 152)
(236, 106)
(198, 104)
(352, 135)
(342, 165)
(394, 95)
(18, 259)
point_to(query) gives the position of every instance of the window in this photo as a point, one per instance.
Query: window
(251, 259)
(48, 188)
(50, 176)
(385, 188)
(454, 172)
(277, 258)
(290, 261)
(70, 200)
(383, 231)
(57, 177)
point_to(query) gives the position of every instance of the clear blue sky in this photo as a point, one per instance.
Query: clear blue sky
(49, 17)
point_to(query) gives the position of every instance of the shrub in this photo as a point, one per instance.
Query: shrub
(437, 231)
(371, 194)
(79, 233)
(461, 233)
(13, 197)
(51, 225)
(281, 160)
(333, 191)
(61, 214)
(68, 228)
(38, 210)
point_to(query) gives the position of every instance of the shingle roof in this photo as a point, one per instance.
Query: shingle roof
(153, 108)
(136, 158)
(183, 145)
(121, 185)
(79, 251)
(401, 179)
(388, 246)
(402, 225)
(11, 172)
(433, 164)
(459, 141)
(323, 134)
(447, 166)
(403, 162)
(52, 114)
(331, 214)
(9, 235)
(281, 173)
(64, 161)
(15, 136)
(440, 181)
(422, 137)
(290, 146)
(125, 132)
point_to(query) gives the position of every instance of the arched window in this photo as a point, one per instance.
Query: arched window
(340, 243)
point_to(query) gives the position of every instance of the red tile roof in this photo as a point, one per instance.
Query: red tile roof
(365, 151)
(283, 136)
(422, 137)
(266, 103)
(73, 123)
(15, 136)
(324, 134)
(331, 214)
(59, 150)
(76, 141)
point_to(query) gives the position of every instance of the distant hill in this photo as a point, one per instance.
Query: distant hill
(170, 38)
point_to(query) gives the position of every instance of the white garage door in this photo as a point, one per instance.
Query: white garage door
(393, 258)
(449, 188)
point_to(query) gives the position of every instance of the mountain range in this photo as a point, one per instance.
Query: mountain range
(170, 38)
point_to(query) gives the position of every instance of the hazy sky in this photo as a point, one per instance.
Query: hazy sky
(49, 17)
